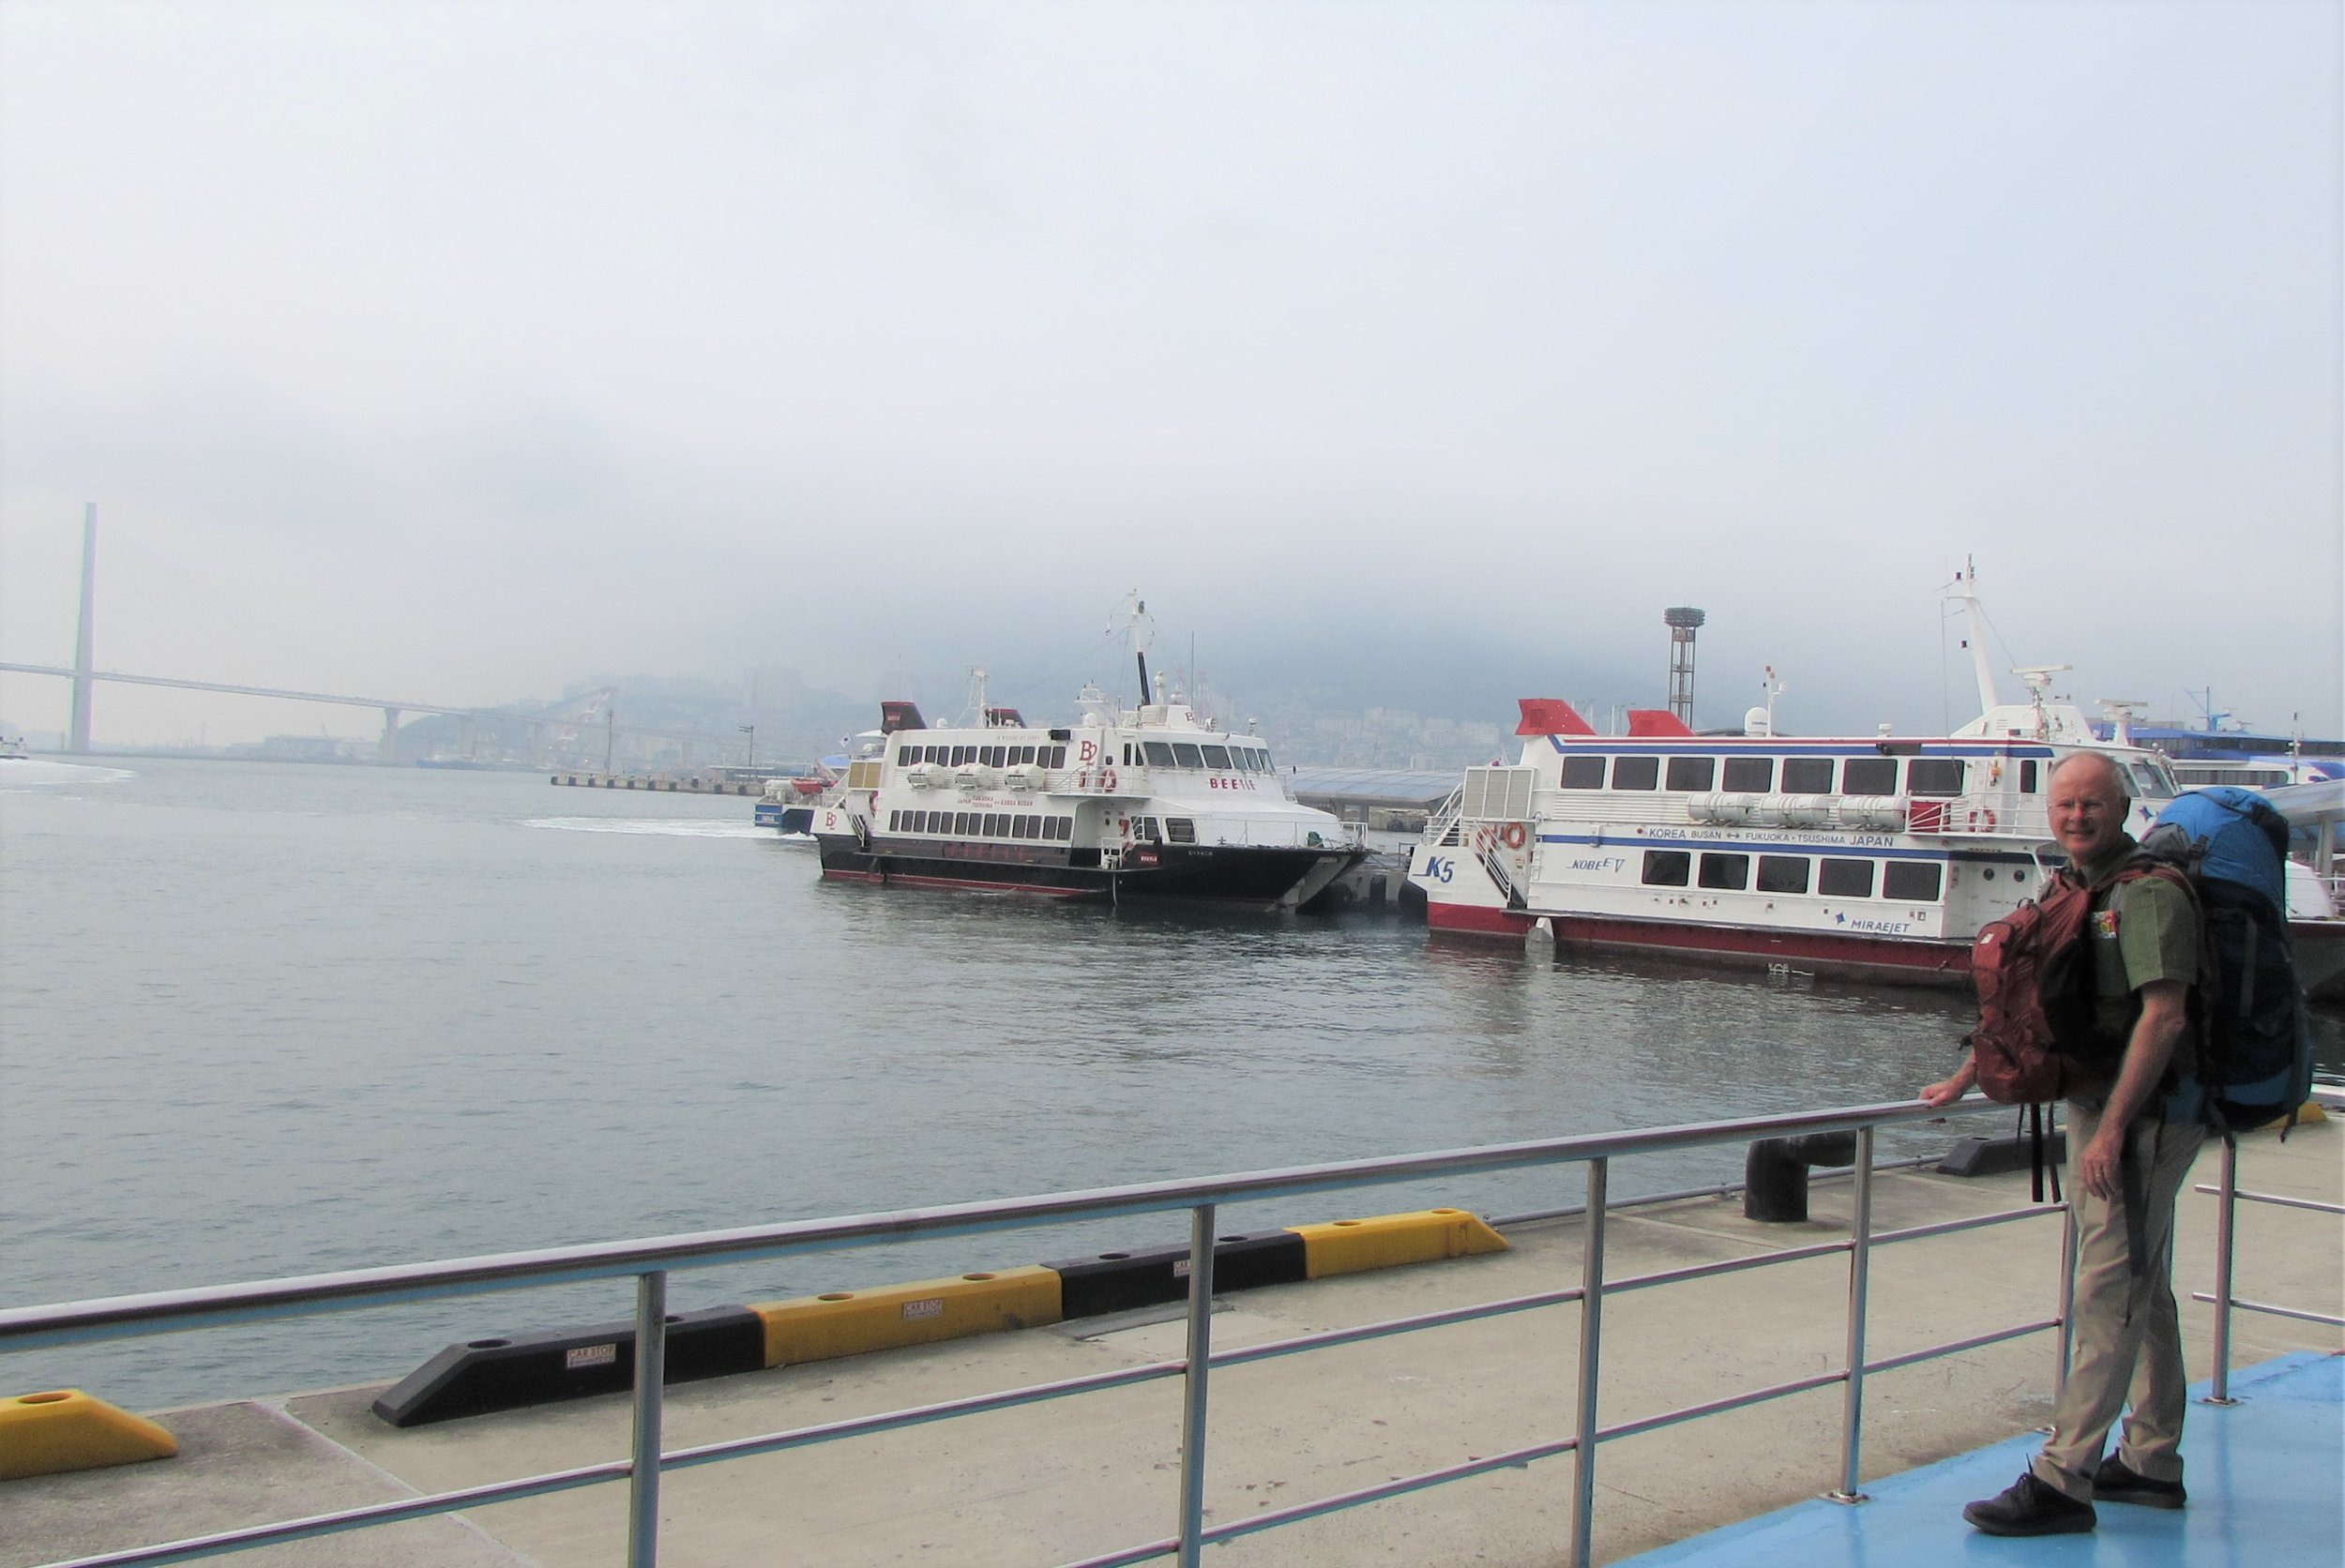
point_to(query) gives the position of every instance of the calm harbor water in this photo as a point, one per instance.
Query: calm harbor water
(267, 1019)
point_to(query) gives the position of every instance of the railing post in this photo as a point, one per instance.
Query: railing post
(2227, 1201)
(1859, 1288)
(1193, 1381)
(1591, 1362)
(651, 1371)
(2067, 1296)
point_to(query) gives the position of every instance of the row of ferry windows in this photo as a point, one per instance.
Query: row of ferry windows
(1185, 754)
(1904, 881)
(1941, 777)
(990, 756)
(984, 824)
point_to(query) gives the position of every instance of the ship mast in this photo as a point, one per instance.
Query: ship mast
(1966, 593)
(1136, 627)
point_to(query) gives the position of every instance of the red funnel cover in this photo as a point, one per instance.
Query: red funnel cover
(1551, 716)
(1656, 721)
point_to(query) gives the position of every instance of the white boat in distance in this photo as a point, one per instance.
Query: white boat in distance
(1145, 803)
(1877, 856)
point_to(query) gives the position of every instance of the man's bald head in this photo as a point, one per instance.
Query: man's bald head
(2112, 774)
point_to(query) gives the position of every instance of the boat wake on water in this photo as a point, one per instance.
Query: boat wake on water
(652, 826)
(39, 772)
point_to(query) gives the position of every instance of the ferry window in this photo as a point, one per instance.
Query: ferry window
(1750, 774)
(1217, 756)
(1869, 775)
(1782, 873)
(1583, 772)
(1187, 755)
(997, 827)
(1846, 879)
(1666, 868)
(2154, 784)
(963, 755)
(1269, 763)
(1726, 871)
(894, 822)
(1911, 882)
(1637, 773)
(1181, 830)
(1065, 826)
(1934, 775)
(2027, 778)
(1159, 755)
(1058, 758)
(1024, 828)
(932, 821)
(1149, 830)
(1692, 773)
(961, 824)
(904, 754)
(1000, 756)
(1028, 754)
(1806, 776)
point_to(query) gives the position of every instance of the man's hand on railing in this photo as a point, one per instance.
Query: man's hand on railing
(1947, 1089)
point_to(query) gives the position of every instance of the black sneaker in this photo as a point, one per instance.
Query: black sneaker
(2031, 1508)
(2114, 1482)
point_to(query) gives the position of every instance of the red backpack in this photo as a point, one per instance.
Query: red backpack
(2037, 1000)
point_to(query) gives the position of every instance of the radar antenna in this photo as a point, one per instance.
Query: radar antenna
(2122, 711)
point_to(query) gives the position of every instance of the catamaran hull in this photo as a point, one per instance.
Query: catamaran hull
(1263, 878)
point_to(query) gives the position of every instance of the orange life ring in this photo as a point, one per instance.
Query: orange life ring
(1513, 836)
(1107, 780)
(1989, 814)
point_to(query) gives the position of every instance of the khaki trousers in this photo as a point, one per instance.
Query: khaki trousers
(2128, 1336)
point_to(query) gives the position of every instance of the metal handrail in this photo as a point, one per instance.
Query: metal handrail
(2226, 1191)
(649, 1260)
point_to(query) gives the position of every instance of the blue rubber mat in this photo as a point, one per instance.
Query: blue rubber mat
(2267, 1490)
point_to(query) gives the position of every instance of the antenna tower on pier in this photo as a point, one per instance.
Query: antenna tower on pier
(1682, 623)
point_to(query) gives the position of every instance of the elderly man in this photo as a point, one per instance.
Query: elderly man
(2131, 1139)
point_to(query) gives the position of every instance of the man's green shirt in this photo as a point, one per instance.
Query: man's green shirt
(2140, 930)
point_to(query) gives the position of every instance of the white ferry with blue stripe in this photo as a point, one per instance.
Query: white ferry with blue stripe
(1876, 856)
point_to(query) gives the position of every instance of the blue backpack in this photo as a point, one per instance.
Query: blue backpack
(2254, 1035)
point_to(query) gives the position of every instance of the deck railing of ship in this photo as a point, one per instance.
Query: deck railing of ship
(650, 1261)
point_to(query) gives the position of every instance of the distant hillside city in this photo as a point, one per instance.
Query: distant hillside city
(772, 718)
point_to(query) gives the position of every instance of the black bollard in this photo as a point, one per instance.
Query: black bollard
(1774, 1173)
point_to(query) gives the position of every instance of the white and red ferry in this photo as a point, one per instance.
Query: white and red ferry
(1152, 801)
(1878, 856)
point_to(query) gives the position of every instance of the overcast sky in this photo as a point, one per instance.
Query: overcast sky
(460, 350)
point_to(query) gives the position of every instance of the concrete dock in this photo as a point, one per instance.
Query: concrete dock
(1071, 1478)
